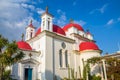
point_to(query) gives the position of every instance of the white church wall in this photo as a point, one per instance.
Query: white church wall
(89, 36)
(77, 64)
(81, 33)
(87, 55)
(36, 45)
(77, 43)
(39, 44)
(42, 56)
(49, 58)
(72, 30)
(62, 72)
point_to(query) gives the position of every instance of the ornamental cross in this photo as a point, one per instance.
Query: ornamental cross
(30, 55)
(31, 21)
(22, 36)
(46, 9)
(71, 20)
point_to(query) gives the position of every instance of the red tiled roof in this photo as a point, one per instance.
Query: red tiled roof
(66, 27)
(88, 46)
(56, 29)
(23, 45)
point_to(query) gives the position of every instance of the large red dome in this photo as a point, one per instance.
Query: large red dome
(88, 46)
(23, 45)
(56, 29)
(66, 27)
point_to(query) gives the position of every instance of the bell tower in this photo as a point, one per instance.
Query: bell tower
(30, 31)
(46, 21)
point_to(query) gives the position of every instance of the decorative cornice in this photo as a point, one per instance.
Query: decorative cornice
(52, 34)
(30, 60)
(91, 50)
(38, 52)
(111, 55)
(80, 52)
(81, 37)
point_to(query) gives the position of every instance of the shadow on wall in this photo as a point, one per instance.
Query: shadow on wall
(14, 72)
(49, 76)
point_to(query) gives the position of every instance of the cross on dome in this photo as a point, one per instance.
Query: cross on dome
(46, 9)
(22, 36)
(71, 20)
(31, 21)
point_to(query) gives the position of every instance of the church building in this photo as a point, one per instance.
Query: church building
(51, 48)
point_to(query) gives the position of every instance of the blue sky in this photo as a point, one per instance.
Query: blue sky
(101, 17)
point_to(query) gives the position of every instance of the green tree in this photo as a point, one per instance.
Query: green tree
(9, 54)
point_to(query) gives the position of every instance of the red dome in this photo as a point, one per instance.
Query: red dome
(31, 25)
(66, 27)
(23, 45)
(56, 29)
(88, 46)
(38, 32)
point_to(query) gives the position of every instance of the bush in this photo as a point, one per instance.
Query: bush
(96, 77)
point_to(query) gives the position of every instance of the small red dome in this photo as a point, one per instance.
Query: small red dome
(23, 45)
(88, 46)
(56, 29)
(31, 25)
(38, 32)
(66, 27)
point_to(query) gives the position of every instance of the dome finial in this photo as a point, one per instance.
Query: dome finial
(71, 20)
(31, 21)
(22, 36)
(46, 9)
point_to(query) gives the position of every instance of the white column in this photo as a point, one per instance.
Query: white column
(101, 69)
(104, 68)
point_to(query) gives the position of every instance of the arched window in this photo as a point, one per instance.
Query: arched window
(31, 35)
(66, 58)
(48, 25)
(43, 23)
(60, 58)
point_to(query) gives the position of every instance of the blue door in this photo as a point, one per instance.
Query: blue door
(28, 74)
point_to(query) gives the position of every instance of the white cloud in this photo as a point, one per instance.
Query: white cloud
(14, 17)
(28, 6)
(61, 20)
(40, 11)
(111, 21)
(81, 22)
(101, 10)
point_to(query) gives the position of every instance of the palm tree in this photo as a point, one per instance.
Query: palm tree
(9, 54)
